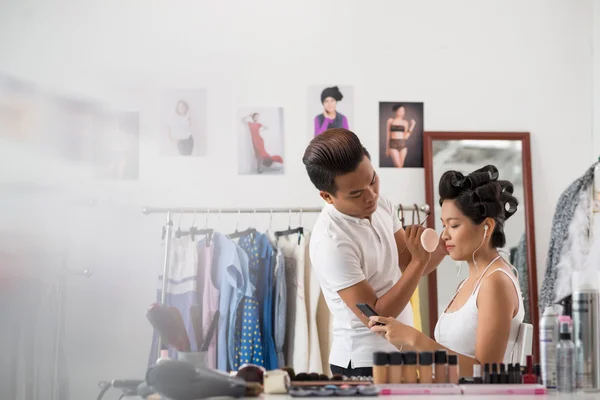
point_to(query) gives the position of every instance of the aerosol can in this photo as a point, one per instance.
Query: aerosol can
(548, 343)
(586, 328)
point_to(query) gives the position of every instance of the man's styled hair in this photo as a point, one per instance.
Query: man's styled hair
(333, 153)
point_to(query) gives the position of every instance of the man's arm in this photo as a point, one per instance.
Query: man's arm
(395, 300)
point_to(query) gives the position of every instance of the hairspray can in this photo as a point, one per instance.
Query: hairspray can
(586, 328)
(548, 343)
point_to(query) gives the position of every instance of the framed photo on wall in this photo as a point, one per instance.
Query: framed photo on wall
(330, 106)
(401, 134)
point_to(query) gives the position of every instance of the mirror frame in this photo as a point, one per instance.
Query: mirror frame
(430, 195)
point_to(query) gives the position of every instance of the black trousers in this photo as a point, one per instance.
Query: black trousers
(350, 372)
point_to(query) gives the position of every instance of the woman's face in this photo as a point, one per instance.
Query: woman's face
(461, 234)
(329, 104)
(400, 112)
(255, 117)
(182, 108)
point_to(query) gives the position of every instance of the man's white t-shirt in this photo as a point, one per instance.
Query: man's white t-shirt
(344, 251)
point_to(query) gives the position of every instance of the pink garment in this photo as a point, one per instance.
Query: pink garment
(209, 298)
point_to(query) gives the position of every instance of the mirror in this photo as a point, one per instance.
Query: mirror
(466, 152)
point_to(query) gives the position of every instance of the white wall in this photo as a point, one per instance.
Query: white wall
(487, 66)
(596, 72)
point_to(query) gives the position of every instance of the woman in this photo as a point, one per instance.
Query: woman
(180, 129)
(482, 321)
(330, 118)
(256, 128)
(398, 131)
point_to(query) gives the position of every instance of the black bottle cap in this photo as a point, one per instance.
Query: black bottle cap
(441, 357)
(396, 358)
(426, 358)
(380, 358)
(511, 367)
(486, 368)
(502, 368)
(538, 369)
(453, 359)
(518, 367)
(410, 358)
(313, 376)
(494, 368)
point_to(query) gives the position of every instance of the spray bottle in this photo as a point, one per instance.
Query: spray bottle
(565, 355)
(548, 343)
(586, 328)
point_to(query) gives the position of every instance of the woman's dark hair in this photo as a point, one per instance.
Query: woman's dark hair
(335, 152)
(397, 107)
(481, 195)
(333, 91)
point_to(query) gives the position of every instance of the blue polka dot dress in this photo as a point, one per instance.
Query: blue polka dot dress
(248, 344)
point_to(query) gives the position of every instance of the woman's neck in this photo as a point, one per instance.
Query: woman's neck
(483, 257)
(331, 115)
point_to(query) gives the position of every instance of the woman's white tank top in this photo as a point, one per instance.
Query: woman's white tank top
(457, 330)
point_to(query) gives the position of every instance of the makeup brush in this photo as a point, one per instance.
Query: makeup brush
(180, 325)
(425, 220)
(167, 325)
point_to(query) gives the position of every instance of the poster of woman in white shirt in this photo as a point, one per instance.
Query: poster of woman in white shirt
(183, 127)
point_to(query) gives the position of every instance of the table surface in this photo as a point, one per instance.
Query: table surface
(551, 395)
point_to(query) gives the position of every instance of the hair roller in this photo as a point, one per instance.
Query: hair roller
(491, 170)
(507, 187)
(476, 179)
(457, 180)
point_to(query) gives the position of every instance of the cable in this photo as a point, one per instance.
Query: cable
(104, 389)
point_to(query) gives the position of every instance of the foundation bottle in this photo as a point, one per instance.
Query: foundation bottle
(453, 372)
(395, 367)
(410, 367)
(380, 368)
(425, 367)
(441, 366)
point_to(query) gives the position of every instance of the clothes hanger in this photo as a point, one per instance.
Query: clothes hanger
(204, 231)
(299, 230)
(401, 215)
(237, 233)
(179, 232)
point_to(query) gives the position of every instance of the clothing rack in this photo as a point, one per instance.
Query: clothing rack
(168, 228)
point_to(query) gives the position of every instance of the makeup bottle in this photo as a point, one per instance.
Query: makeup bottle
(565, 355)
(477, 374)
(494, 374)
(529, 377)
(486, 374)
(503, 375)
(380, 368)
(453, 371)
(410, 367)
(441, 366)
(518, 377)
(511, 373)
(548, 342)
(537, 369)
(425, 367)
(395, 367)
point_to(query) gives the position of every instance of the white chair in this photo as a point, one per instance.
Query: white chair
(523, 346)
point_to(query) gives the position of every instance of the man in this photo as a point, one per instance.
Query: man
(359, 250)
